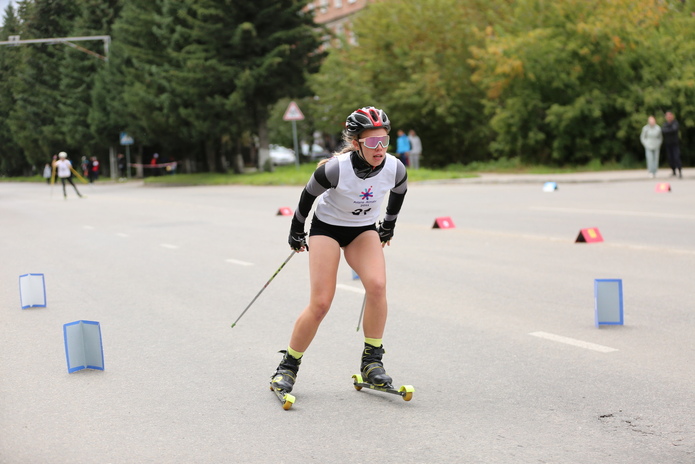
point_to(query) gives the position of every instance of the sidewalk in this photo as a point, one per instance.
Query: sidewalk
(664, 175)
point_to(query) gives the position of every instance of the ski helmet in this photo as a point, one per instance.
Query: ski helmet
(366, 118)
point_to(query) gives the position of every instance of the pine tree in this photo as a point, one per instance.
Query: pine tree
(201, 72)
(232, 60)
(133, 94)
(12, 160)
(276, 45)
(79, 72)
(34, 118)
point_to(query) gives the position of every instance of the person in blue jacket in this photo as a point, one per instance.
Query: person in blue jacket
(403, 147)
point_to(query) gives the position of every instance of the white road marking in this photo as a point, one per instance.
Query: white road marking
(171, 247)
(614, 212)
(350, 288)
(240, 263)
(573, 342)
(651, 248)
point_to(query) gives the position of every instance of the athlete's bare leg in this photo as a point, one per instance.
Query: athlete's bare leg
(366, 257)
(324, 257)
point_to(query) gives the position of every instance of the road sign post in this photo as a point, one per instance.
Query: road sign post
(127, 141)
(294, 114)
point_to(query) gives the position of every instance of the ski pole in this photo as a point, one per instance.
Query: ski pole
(364, 303)
(53, 177)
(82, 179)
(266, 284)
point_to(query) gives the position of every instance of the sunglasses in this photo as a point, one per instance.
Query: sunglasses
(373, 142)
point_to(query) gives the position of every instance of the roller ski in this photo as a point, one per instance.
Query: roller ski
(282, 381)
(374, 376)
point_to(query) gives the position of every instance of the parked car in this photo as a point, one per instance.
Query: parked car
(280, 155)
(317, 151)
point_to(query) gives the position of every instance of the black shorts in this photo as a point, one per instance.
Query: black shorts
(342, 234)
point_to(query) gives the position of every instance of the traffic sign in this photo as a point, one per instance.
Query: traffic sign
(126, 139)
(293, 113)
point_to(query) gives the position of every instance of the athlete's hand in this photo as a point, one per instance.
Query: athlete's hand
(385, 231)
(297, 241)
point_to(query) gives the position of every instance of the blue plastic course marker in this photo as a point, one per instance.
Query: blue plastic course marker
(608, 302)
(32, 291)
(83, 347)
(550, 186)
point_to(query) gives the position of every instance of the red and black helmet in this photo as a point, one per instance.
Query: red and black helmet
(367, 118)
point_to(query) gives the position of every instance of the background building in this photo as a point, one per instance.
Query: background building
(336, 15)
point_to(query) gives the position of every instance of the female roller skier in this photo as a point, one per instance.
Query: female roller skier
(350, 187)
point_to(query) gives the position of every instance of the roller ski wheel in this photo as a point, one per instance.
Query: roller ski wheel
(405, 391)
(285, 398)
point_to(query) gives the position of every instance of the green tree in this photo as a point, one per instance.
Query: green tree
(201, 72)
(34, 118)
(132, 93)
(78, 75)
(12, 161)
(275, 47)
(571, 82)
(410, 61)
(675, 44)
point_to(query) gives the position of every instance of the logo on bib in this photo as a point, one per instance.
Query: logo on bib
(367, 194)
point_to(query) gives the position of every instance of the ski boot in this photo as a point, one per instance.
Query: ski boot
(372, 368)
(283, 380)
(374, 376)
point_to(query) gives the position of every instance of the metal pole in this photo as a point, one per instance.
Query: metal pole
(15, 40)
(127, 161)
(113, 167)
(296, 147)
(364, 303)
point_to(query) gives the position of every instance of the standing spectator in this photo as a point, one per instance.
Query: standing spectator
(93, 169)
(651, 139)
(415, 149)
(402, 147)
(671, 144)
(84, 166)
(120, 160)
(154, 162)
(47, 172)
(64, 168)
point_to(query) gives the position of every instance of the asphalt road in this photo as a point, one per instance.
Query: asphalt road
(492, 322)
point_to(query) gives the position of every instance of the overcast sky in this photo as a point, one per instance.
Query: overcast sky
(3, 5)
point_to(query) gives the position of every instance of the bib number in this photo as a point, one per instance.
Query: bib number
(359, 211)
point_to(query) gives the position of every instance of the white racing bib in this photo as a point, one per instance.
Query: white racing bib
(356, 202)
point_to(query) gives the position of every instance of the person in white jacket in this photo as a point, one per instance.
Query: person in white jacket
(651, 139)
(415, 149)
